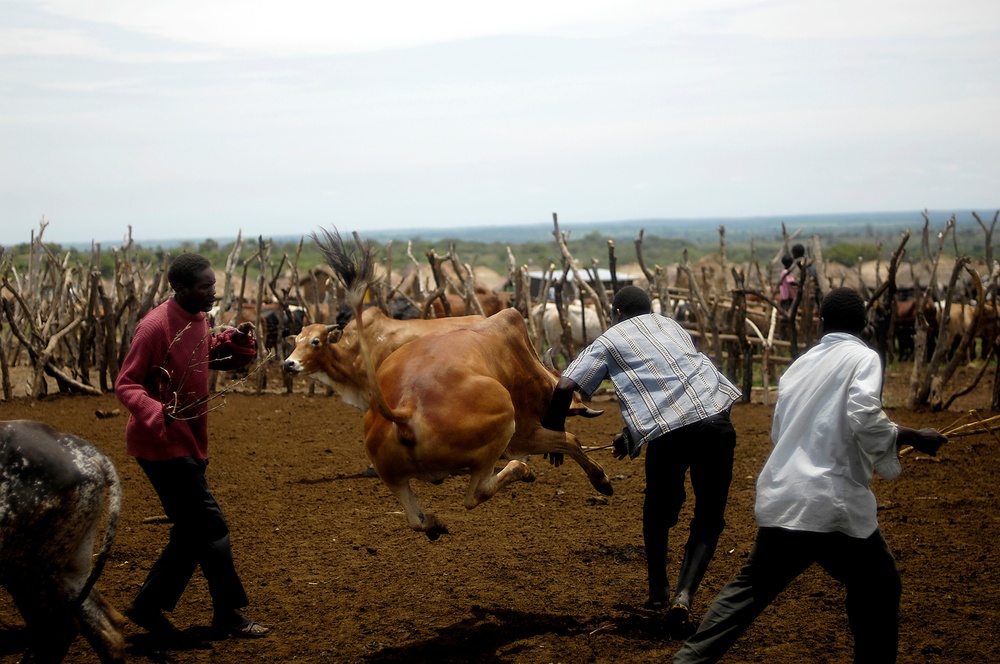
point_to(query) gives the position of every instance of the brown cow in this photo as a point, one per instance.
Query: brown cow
(962, 317)
(455, 401)
(421, 428)
(333, 356)
(905, 327)
(490, 302)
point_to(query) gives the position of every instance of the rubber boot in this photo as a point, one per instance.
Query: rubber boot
(656, 567)
(697, 554)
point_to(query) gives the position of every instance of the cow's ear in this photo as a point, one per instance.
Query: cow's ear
(290, 339)
(335, 335)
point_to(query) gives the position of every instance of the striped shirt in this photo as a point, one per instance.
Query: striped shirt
(661, 380)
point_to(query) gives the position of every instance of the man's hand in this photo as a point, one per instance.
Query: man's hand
(555, 413)
(555, 458)
(926, 440)
(620, 445)
(246, 328)
(554, 421)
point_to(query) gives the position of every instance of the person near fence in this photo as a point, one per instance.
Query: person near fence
(814, 503)
(676, 404)
(163, 383)
(799, 259)
(787, 287)
(786, 283)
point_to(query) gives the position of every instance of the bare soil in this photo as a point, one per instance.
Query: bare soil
(544, 572)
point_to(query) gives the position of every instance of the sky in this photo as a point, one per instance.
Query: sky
(201, 118)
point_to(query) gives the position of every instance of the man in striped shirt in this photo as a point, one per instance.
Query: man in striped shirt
(676, 404)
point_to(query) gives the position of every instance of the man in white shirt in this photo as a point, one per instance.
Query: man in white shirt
(676, 404)
(814, 504)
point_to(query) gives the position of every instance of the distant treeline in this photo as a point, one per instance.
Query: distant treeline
(845, 239)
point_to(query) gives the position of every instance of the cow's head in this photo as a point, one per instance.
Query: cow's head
(311, 348)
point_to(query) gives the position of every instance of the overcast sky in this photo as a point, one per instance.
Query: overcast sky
(197, 118)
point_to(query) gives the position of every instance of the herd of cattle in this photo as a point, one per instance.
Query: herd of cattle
(402, 371)
(960, 318)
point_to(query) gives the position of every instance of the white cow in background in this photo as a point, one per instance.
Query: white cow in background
(545, 317)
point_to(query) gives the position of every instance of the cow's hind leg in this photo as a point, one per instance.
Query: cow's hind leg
(49, 619)
(419, 520)
(98, 621)
(101, 624)
(483, 484)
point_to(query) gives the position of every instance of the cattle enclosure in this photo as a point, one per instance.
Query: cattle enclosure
(544, 572)
(73, 324)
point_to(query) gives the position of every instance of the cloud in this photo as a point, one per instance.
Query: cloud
(319, 27)
(78, 43)
(793, 19)
(25, 41)
(87, 86)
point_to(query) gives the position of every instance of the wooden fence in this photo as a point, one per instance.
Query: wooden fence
(69, 325)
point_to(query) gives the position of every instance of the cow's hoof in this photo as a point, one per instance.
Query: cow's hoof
(604, 487)
(529, 476)
(436, 532)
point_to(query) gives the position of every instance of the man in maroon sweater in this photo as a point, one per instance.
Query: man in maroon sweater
(164, 385)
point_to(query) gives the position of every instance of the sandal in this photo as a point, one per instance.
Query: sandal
(248, 629)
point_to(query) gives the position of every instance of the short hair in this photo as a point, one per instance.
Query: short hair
(787, 260)
(798, 251)
(632, 300)
(843, 310)
(184, 269)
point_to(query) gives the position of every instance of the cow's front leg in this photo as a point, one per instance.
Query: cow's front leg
(546, 441)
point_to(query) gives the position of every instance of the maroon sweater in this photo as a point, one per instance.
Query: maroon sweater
(166, 372)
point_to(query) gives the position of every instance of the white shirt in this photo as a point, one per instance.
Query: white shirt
(830, 434)
(661, 380)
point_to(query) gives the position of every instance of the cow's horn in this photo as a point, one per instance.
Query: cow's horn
(331, 328)
(590, 412)
(547, 360)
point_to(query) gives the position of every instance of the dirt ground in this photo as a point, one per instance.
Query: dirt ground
(544, 572)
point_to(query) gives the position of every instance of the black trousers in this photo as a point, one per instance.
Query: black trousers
(865, 566)
(705, 448)
(199, 536)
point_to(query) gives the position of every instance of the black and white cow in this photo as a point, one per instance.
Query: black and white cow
(52, 495)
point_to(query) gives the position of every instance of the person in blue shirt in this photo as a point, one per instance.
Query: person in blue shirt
(676, 405)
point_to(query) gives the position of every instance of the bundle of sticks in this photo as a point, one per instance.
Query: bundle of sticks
(969, 424)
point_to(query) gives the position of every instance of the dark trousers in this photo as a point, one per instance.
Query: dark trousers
(705, 448)
(865, 566)
(199, 536)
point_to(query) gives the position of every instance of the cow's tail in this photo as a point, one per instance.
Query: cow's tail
(114, 509)
(357, 270)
